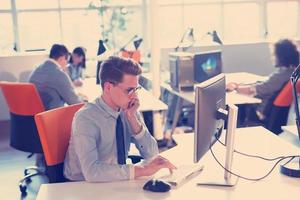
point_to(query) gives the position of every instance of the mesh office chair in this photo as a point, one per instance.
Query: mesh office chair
(23, 102)
(280, 109)
(54, 128)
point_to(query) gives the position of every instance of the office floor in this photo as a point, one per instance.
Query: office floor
(12, 164)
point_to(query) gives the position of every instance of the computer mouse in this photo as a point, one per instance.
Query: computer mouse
(155, 185)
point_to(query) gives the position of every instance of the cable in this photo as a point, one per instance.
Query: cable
(252, 156)
(253, 179)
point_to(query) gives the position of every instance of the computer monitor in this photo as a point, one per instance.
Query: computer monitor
(207, 65)
(211, 113)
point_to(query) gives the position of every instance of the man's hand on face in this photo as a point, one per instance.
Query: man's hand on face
(133, 106)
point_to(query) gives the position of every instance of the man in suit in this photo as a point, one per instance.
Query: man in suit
(53, 84)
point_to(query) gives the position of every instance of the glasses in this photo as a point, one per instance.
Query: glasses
(128, 91)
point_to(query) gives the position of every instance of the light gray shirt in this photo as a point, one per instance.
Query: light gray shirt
(74, 72)
(92, 151)
(54, 85)
(275, 82)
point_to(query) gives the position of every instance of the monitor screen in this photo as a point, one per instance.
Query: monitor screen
(210, 98)
(207, 65)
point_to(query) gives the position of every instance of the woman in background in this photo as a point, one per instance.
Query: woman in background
(76, 66)
(286, 60)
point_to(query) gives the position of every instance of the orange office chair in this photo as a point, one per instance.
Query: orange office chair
(135, 55)
(23, 102)
(54, 128)
(279, 112)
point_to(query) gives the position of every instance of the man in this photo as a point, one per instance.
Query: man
(53, 84)
(96, 153)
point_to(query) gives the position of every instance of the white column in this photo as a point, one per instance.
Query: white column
(155, 67)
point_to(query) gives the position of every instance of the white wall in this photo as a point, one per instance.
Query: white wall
(17, 68)
(251, 57)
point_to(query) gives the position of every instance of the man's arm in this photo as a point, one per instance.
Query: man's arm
(144, 141)
(66, 89)
(274, 83)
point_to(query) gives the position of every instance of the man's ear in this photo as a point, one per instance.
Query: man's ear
(106, 86)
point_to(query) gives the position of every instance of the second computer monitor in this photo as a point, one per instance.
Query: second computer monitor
(209, 101)
(207, 65)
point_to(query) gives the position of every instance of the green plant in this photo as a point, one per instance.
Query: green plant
(113, 20)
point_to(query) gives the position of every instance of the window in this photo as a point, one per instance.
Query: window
(170, 25)
(282, 19)
(203, 18)
(38, 30)
(133, 27)
(241, 21)
(77, 3)
(81, 28)
(6, 33)
(33, 4)
(5, 4)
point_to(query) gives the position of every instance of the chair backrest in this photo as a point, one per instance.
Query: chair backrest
(24, 102)
(281, 105)
(22, 98)
(285, 97)
(54, 128)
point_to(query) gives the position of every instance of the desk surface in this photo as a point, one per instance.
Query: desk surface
(231, 97)
(147, 101)
(291, 129)
(256, 140)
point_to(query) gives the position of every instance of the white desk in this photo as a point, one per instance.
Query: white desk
(231, 97)
(290, 134)
(256, 140)
(147, 101)
(291, 129)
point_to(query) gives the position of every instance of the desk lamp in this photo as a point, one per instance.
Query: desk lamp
(134, 54)
(293, 169)
(101, 49)
(187, 40)
(215, 37)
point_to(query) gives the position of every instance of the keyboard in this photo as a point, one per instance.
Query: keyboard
(181, 174)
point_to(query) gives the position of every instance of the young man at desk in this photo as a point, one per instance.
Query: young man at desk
(102, 130)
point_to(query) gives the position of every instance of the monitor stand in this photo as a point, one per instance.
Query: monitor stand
(228, 180)
(292, 168)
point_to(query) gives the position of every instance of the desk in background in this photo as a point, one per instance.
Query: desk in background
(231, 97)
(147, 101)
(255, 140)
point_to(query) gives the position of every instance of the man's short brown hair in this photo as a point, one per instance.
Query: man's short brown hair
(113, 69)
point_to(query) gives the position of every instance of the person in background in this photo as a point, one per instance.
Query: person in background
(103, 130)
(286, 60)
(76, 66)
(53, 84)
